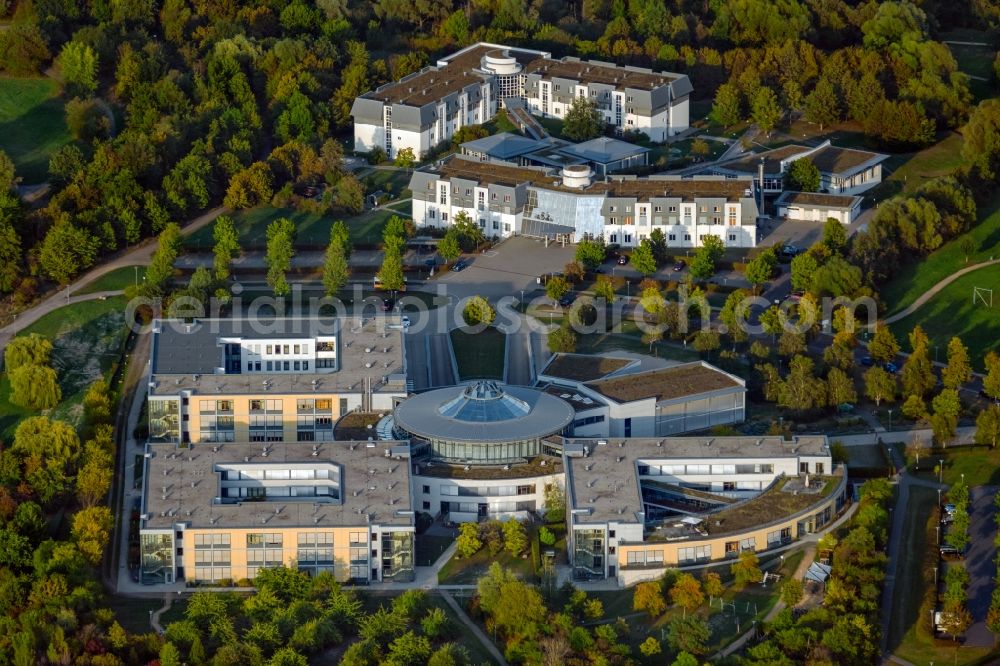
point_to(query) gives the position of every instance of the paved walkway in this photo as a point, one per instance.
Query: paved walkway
(930, 293)
(140, 255)
(474, 628)
(154, 618)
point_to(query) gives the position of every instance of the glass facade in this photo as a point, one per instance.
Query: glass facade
(157, 557)
(588, 553)
(397, 556)
(486, 452)
(164, 419)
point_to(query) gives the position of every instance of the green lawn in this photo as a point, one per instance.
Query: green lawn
(86, 338)
(951, 312)
(32, 125)
(910, 284)
(311, 228)
(908, 590)
(905, 640)
(479, 355)
(907, 171)
(468, 570)
(429, 548)
(388, 180)
(115, 280)
(977, 465)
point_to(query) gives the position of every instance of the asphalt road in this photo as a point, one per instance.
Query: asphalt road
(439, 359)
(979, 563)
(518, 370)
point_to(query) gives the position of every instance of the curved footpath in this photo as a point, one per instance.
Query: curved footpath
(139, 255)
(930, 293)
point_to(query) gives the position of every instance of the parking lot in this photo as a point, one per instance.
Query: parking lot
(505, 270)
(979, 563)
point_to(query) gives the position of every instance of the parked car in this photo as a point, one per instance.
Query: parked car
(797, 294)
(867, 361)
(567, 300)
(679, 266)
(891, 368)
(949, 509)
(459, 266)
(948, 550)
(405, 321)
(789, 251)
(387, 304)
(947, 518)
(622, 260)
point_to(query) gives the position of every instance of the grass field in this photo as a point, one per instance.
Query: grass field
(479, 355)
(115, 280)
(904, 639)
(908, 590)
(32, 125)
(468, 570)
(910, 284)
(907, 171)
(951, 312)
(311, 228)
(387, 180)
(978, 466)
(86, 337)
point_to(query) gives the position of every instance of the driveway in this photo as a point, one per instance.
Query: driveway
(979, 563)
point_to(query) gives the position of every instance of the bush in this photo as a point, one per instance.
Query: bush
(546, 536)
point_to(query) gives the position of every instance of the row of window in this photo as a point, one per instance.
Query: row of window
(276, 474)
(679, 470)
(589, 420)
(485, 491)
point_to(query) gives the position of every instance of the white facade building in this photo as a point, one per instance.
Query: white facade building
(506, 199)
(427, 107)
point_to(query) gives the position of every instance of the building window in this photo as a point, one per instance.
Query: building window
(315, 552)
(212, 557)
(672, 237)
(819, 468)
(694, 554)
(687, 237)
(263, 551)
(732, 237)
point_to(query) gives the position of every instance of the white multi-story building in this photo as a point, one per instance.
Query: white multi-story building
(427, 107)
(506, 199)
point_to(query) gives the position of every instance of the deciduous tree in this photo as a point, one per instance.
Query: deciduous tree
(802, 175)
(227, 246)
(883, 346)
(959, 370)
(477, 311)
(746, 569)
(880, 385)
(648, 597)
(280, 250)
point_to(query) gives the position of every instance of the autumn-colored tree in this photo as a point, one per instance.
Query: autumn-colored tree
(687, 592)
(648, 597)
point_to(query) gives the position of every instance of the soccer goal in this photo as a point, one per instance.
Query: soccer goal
(982, 295)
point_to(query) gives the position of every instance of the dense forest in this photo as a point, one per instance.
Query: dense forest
(181, 105)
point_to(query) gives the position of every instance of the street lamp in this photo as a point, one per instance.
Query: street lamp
(890, 419)
(938, 528)
(940, 470)
(939, 497)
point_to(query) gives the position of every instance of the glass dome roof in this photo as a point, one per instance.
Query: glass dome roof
(484, 402)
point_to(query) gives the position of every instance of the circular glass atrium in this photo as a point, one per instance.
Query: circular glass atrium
(484, 422)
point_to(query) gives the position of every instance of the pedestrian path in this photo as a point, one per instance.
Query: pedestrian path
(930, 293)
(473, 627)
